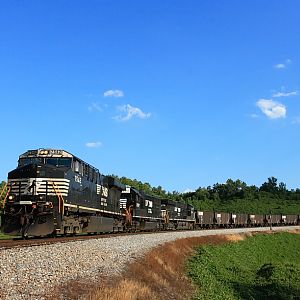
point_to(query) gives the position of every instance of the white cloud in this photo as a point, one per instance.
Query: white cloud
(271, 108)
(93, 144)
(254, 116)
(284, 94)
(114, 93)
(188, 191)
(280, 66)
(130, 112)
(283, 65)
(95, 107)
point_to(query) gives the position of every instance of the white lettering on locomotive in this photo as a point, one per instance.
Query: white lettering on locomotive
(104, 191)
(77, 178)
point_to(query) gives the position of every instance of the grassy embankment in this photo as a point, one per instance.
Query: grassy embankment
(270, 263)
(261, 267)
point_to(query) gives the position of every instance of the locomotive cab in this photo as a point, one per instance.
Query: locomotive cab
(35, 190)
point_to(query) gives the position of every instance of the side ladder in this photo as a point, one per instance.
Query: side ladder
(59, 196)
(6, 195)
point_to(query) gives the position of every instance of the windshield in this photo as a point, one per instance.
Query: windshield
(59, 162)
(54, 161)
(31, 160)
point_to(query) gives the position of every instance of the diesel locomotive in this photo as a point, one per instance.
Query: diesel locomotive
(54, 192)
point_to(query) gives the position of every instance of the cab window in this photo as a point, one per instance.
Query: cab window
(59, 162)
(30, 160)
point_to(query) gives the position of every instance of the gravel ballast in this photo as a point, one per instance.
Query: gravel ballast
(32, 272)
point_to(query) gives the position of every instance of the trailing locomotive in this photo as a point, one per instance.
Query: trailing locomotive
(54, 192)
(146, 212)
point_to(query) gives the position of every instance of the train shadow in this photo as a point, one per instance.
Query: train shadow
(271, 282)
(269, 291)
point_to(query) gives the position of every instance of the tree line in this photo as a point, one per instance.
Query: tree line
(231, 196)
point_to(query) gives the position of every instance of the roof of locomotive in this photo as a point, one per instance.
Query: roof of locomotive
(50, 152)
(43, 152)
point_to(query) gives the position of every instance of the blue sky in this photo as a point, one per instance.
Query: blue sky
(180, 94)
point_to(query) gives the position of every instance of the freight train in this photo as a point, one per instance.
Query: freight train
(52, 192)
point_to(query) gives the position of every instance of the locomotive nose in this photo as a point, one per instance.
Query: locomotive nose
(27, 171)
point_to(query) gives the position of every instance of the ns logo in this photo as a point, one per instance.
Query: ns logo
(77, 178)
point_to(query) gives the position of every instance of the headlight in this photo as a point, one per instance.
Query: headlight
(10, 197)
(44, 152)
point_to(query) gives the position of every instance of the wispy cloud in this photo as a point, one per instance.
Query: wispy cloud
(283, 65)
(254, 116)
(296, 120)
(89, 95)
(95, 107)
(285, 94)
(114, 93)
(128, 112)
(271, 108)
(93, 144)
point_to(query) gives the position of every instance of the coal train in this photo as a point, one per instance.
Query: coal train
(52, 192)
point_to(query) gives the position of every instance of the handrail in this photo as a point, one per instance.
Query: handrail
(59, 196)
(167, 217)
(4, 188)
(4, 201)
(128, 213)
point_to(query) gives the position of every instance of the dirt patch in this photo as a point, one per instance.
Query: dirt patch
(158, 275)
(296, 231)
(235, 237)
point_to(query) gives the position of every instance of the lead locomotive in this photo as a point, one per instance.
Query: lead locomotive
(52, 191)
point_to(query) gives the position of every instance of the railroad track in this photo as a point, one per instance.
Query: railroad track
(19, 242)
(36, 241)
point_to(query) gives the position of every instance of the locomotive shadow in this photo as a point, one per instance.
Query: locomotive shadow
(268, 291)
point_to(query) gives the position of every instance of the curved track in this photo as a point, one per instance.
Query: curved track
(19, 242)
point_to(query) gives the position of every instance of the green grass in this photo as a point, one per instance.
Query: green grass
(261, 267)
(5, 236)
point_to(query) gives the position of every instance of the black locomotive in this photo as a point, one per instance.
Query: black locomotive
(54, 192)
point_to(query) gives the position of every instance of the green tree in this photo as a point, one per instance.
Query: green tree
(270, 186)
